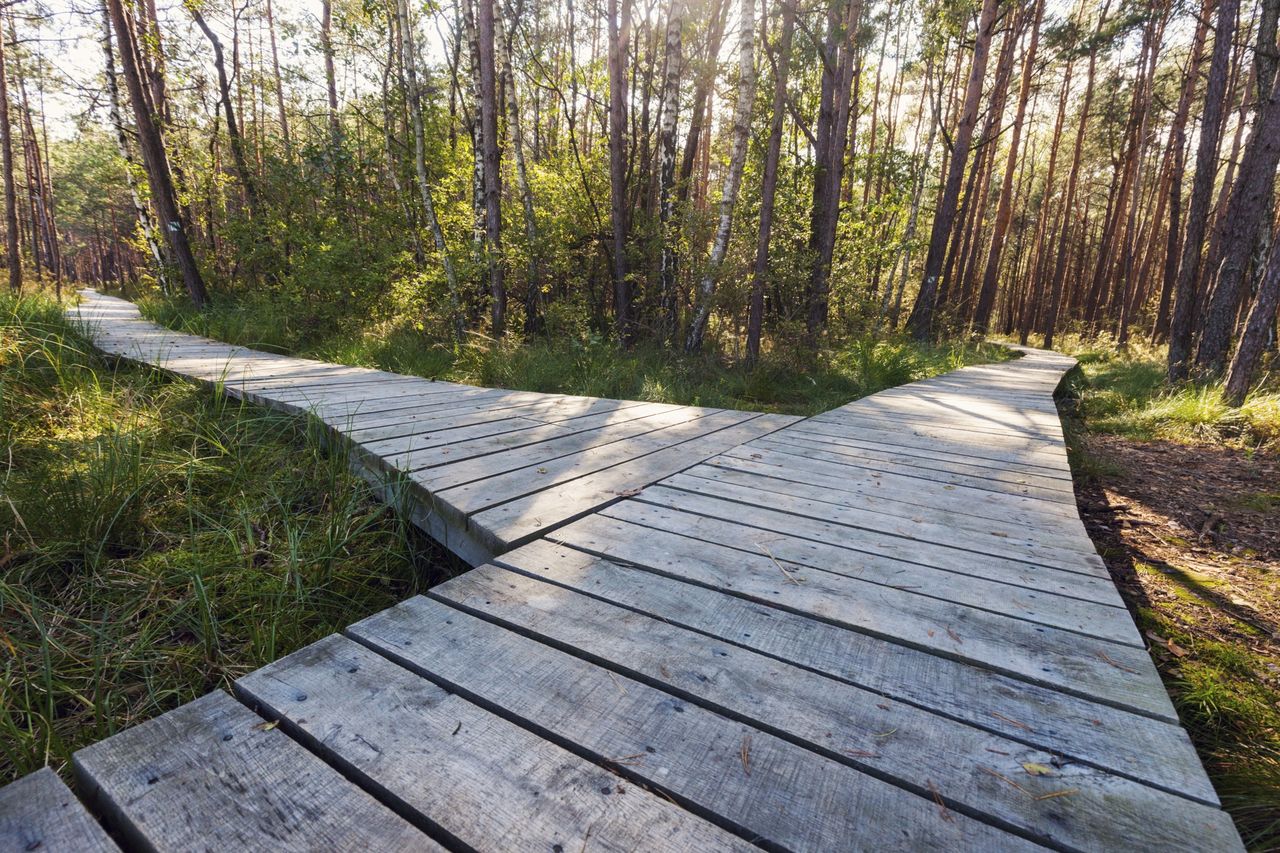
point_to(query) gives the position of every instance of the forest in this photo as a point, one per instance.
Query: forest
(776, 206)
(693, 174)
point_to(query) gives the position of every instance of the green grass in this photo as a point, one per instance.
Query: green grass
(571, 360)
(157, 541)
(1125, 394)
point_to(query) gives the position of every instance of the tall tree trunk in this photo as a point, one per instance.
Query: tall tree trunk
(1257, 327)
(733, 178)
(331, 88)
(12, 256)
(619, 34)
(1004, 210)
(1181, 328)
(922, 314)
(1175, 155)
(839, 64)
(670, 108)
(533, 286)
(492, 164)
(1249, 203)
(275, 67)
(769, 183)
(233, 127)
(699, 114)
(155, 158)
(409, 60)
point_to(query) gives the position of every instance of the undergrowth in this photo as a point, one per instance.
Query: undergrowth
(572, 360)
(1124, 393)
(159, 540)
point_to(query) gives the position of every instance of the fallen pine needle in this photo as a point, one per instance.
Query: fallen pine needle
(1107, 658)
(937, 798)
(1011, 721)
(1065, 792)
(1007, 780)
(746, 754)
(781, 568)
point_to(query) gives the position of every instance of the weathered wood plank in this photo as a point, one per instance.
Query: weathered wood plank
(975, 772)
(821, 454)
(945, 446)
(1044, 598)
(449, 467)
(500, 488)
(1099, 669)
(485, 781)
(212, 775)
(982, 504)
(927, 457)
(1152, 751)
(39, 812)
(517, 521)
(765, 787)
(889, 500)
(524, 447)
(917, 529)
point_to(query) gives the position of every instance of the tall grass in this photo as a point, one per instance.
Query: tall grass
(157, 541)
(789, 379)
(1124, 393)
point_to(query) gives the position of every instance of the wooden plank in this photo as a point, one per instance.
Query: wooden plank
(403, 453)
(818, 453)
(975, 772)
(486, 782)
(946, 443)
(458, 465)
(500, 488)
(1081, 604)
(935, 455)
(447, 430)
(1151, 751)
(935, 555)
(409, 407)
(888, 499)
(39, 812)
(995, 541)
(764, 787)
(1120, 675)
(981, 504)
(517, 521)
(212, 775)
(394, 424)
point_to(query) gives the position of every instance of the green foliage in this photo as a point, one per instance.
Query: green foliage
(1126, 394)
(574, 360)
(159, 541)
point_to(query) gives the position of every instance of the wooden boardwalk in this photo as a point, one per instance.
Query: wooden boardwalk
(484, 469)
(880, 628)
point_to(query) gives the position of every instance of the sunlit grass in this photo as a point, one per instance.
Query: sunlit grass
(1125, 393)
(159, 540)
(788, 379)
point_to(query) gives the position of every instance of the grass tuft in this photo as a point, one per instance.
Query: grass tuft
(159, 541)
(788, 380)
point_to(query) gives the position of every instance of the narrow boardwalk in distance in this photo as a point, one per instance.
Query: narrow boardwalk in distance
(880, 628)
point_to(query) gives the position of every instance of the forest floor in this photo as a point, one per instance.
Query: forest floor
(1183, 503)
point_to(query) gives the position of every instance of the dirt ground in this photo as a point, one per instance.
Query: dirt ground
(1192, 537)
(1206, 518)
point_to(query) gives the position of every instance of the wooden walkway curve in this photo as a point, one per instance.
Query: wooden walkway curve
(883, 627)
